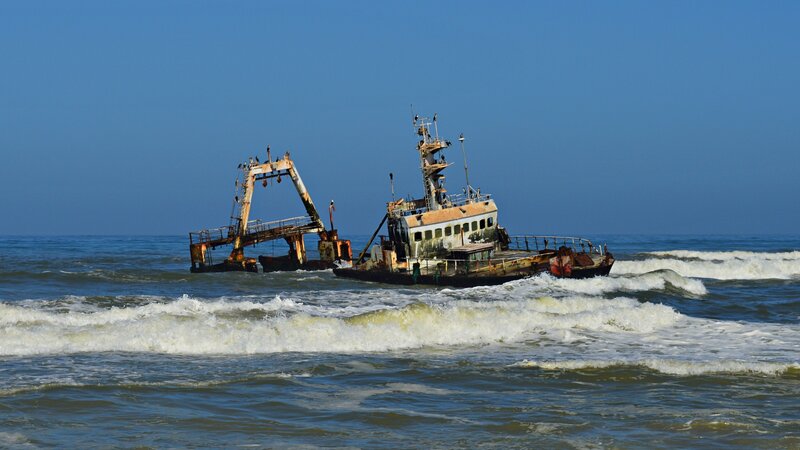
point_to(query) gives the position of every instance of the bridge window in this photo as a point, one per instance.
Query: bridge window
(418, 236)
(483, 223)
(466, 227)
(448, 231)
(475, 226)
(457, 229)
(490, 221)
(438, 232)
(428, 234)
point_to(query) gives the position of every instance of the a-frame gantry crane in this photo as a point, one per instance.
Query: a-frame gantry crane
(243, 232)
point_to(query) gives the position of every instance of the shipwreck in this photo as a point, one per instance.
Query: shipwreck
(243, 232)
(456, 239)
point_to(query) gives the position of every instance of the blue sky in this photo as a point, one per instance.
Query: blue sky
(580, 117)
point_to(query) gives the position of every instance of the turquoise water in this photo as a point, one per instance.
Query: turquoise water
(694, 341)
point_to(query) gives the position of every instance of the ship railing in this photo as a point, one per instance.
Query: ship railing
(531, 243)
(253, 227)
(259, 226)
(410, 209)
(211, 234)
(463, 199)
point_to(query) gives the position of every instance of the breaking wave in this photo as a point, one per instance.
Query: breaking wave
(190, 326)
(569, 332)
(670, 366)
(729, 255)
(733, 265)
(660, 280)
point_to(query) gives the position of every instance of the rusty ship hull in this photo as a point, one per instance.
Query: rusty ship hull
(461, 281)
(522, 257)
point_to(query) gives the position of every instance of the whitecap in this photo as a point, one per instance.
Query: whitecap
(716, 265)
(669, 366)
(191, 326)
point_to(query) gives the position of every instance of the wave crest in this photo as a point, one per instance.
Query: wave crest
(670, 366)
(190, 326)
(660, 280)
(728, 255)
(734, 265)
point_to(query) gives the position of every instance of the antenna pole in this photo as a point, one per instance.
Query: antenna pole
(466, 170)
(331, 209)
(391, 182)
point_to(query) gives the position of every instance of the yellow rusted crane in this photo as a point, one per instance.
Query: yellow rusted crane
(243, 232)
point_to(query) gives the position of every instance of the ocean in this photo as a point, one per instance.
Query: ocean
(110, 342)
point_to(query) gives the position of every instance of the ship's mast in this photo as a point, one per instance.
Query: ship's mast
(468, 190)
(431, 165)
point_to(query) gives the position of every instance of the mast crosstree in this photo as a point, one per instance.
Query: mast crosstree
(431, 164)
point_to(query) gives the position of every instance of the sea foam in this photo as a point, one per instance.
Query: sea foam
(669, 366)
(567, 332)
(651, 281)
(729, 255)
(191, 326)
(734, 265)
